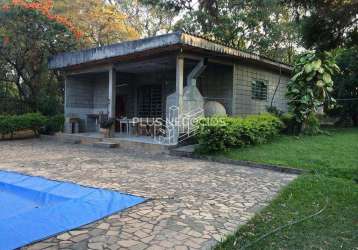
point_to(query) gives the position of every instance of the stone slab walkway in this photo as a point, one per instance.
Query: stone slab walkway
(193, 204)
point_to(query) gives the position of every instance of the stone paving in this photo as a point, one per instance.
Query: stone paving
(192, 204)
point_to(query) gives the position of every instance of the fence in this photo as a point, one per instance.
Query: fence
(13, 106)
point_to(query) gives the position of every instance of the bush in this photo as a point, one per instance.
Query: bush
(290, 124)
(54, 124)
(312, 126)
(221, 133)
(12, 123)
(50, 105)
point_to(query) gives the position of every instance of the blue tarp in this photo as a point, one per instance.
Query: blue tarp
(34, 208)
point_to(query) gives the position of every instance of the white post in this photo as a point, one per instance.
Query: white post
(67, 128)
(180, 83)
(112, 92)
(179, 94)
(65, 94)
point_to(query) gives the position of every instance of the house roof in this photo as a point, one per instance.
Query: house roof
(161, 42)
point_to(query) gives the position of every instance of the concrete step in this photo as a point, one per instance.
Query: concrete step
(186, 151)
(103, 144)
(71, 140)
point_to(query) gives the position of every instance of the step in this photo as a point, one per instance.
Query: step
(187, 150)
(72, 141)
(103, 144)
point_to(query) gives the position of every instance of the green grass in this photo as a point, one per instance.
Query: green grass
(333, 155)
(333, 160)
(334, 228)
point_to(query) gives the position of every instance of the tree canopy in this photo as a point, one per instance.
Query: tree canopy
(264, 27)
(326, 25)
(101, 23)
(29, 35)
(346, 84)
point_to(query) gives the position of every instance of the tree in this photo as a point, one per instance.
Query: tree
(259, 26)
(148, 19)
(29, 35)
(101, 23)
(346, 85)
(311, 87)
(326, 25)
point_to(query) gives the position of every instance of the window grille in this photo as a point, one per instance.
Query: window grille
(259, 90)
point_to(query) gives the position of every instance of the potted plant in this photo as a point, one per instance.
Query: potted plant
(107, 127)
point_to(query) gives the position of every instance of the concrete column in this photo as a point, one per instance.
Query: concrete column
(65, 94)
(66, 126)
(180, 83)
(111, 92)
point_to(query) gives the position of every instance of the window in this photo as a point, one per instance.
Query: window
(259, 90)
(150, 101)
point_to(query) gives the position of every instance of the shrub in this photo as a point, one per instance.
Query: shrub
(11, 124)
(313, 125)
(54, 124)
(221, 133)
(6, 125)
(50, 105)
(290, 124)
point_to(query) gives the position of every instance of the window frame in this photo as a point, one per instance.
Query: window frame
(259, 94)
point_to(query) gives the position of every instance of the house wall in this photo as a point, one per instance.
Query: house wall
(86, 95)
(216, 84)
(242, 102)
(100, 93)
(79, 99)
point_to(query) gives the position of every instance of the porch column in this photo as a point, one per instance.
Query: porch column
(179, 83)
(67, 127)
(65, 95)
(112, 92)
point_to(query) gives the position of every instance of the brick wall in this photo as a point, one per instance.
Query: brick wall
(100, 93)
(86, 95)
(243, 76)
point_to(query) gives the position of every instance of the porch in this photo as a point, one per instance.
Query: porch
(134, 92)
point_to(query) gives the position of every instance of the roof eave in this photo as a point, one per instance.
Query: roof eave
(67, 60)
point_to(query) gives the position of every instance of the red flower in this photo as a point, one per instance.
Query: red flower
(45, 7)
(5, 7)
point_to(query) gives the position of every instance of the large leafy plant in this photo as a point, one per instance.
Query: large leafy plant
(311, 86)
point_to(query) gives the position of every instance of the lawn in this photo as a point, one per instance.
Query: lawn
(330, 188)
(335, 154)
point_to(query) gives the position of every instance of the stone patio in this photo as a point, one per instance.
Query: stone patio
(192, 204)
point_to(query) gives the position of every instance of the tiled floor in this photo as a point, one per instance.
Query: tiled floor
(192, 205)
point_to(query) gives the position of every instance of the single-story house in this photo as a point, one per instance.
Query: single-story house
(146, 78)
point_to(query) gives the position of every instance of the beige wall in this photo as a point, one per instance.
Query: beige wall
(242, 102)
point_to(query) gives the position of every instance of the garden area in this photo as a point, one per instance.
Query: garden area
(319, 209)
